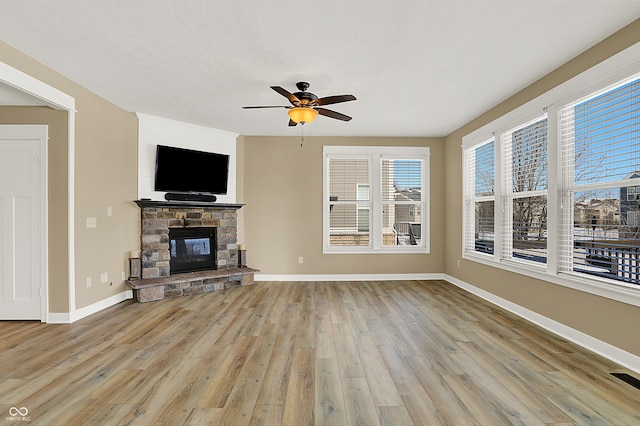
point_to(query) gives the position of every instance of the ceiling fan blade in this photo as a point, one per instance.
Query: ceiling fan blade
(292, 98)
(333, 114)
(335, 99)
(265, 106)
(292, 123)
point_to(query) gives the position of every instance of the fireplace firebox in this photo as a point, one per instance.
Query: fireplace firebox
(192, 249)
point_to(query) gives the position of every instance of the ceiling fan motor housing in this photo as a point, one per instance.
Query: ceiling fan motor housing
(306, 98)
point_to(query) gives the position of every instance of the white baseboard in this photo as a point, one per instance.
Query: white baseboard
(66, 318)
(604, 349)
(347, 277)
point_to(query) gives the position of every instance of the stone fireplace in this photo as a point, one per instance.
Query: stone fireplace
(167, 229)
(159, 217)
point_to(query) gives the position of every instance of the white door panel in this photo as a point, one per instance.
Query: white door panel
(22, 240)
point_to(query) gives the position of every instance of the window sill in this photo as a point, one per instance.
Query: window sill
(395, 250)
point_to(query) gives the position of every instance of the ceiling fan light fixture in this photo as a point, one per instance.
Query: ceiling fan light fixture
(303, 115)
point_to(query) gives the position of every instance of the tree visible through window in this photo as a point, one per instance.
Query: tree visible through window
(601, 141)
(562, 189)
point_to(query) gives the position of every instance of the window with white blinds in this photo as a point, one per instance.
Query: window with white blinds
(350, 202)
(558, 194)
(525, 154)
(600, 139)
(375, 199)
(480, 198)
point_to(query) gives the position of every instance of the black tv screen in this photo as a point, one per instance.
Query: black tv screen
(186, 170)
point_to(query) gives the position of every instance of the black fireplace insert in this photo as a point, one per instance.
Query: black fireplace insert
(192, 249)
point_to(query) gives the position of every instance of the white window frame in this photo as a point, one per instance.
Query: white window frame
(608, 72)
(507, 194)
(376, 154)
(471, 198)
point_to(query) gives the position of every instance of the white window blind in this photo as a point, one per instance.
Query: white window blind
(525, 161)
(600, 139)
(480, 200)
(401, 194)
(349, 202)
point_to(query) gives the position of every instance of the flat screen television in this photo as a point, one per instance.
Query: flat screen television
(189, 171)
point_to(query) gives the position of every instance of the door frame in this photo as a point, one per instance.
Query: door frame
(40, 132)
(56, 99)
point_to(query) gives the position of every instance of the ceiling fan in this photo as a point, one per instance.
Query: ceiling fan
(305, 106)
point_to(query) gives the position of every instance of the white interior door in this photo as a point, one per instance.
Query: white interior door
(22, 222)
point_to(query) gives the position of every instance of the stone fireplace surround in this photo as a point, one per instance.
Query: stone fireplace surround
(157, 218)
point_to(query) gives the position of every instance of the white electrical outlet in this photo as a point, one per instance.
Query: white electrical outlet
(301, 260)
(109, 211)
(88, 282)
(92, 222)
(104, 277)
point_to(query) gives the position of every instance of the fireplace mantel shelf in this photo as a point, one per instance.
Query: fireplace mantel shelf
(152, 203)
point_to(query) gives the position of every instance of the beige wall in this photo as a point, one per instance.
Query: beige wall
(604, 319)
(283, 215)
(57, 200)
(105, 176)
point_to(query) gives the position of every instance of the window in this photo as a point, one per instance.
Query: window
(600, 139)
(480, 202)
(525, 196)
(558, 193)
(375, 199)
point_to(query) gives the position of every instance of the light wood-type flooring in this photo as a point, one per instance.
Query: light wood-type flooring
(308, 353)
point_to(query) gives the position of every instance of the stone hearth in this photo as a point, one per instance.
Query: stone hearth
(157, 218)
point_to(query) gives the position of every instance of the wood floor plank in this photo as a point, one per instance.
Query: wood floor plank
(484, 410)
(383, 389)
(266, 415)
(413, 395)
(348, 357)
(324, 353)
(276, 378)
(325, 342)
(241, 402)
(299, 406)
(256, 363)
(329, 403)
(359, 405)
(225, 374)
(338, 315)
(396, 416)
(450, 407)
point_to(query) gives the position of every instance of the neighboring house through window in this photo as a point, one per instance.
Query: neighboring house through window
(375, 199)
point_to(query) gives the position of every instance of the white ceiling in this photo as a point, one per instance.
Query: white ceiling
(418, 68)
